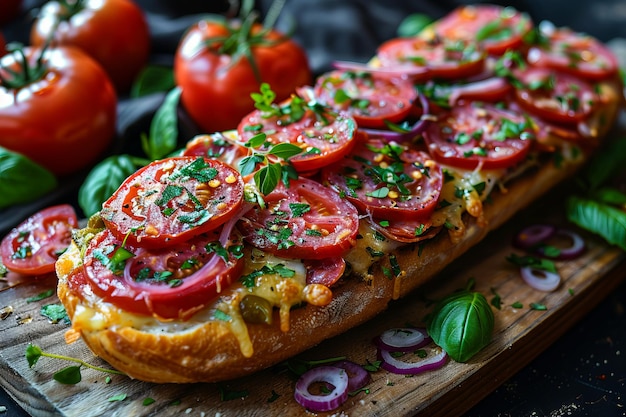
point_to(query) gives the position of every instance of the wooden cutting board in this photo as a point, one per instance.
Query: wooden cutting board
(520, 335)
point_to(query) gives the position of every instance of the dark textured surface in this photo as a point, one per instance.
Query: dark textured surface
(584, 372)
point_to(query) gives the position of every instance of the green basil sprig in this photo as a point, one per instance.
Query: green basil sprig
(462, 324)
(21, 179)
(600, 206)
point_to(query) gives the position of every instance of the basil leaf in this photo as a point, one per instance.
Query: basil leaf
(21, 179)
(609, 195)
(104, 179)
(266, 179)
(413, 24)
(462, 324)
(604, 165)
(153, 79)
(285, 150)
(70, 375)
(163, 137)
(602, 219)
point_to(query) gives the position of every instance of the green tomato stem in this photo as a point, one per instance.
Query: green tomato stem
(83, 363)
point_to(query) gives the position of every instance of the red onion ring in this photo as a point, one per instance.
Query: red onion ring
(531, 236)
(358, 377)
(402, 339)
(576, 248)
(397, 366)
(332, 375)
(415, 130)
(540, 279)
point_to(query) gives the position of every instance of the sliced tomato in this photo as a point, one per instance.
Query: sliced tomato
(405, 231)
(216, 146)
(34, 245)
(171, 283)
(443, 58)
(323, 134)
(325, 271)
(172, 200)
(556, 96)
(576, 53)
(305, 220)
(496, 28)
(477, 134)
(388, 181)
(370, 98)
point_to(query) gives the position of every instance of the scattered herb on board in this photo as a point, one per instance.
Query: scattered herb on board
(228, 394)
(41, 296)
(69, 375)
(55, 313)
(117, 397)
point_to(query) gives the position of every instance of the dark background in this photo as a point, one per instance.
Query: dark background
(584, 372)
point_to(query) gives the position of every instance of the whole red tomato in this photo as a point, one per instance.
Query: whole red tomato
(114, 32)
(217, 77)
(60, 111)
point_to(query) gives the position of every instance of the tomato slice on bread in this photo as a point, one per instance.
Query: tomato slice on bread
(369, 97)
(172, 200)
(496, 28)
(170, 282)
(34, 245)
(475, 134)
(388, 181)
(305, 220)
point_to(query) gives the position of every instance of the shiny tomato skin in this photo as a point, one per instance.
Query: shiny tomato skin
(34, 245)
(442, 59)
(114, 32)
(413, 181)
(575, 53)
(172, 200)
(197, 275)
(370, 98)
(216, 87)
(63, 121)
(556, 96)
(331, 134)
(475, 135)
(305, 220)
(496, 28)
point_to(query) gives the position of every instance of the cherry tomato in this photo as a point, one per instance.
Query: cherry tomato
(170, 283)
(496, 28)
(324, 135)
(64, 118)
(370, 98)
(556, 96)
(217, 77)
(473, 135)
(34, 245)
(388, 181)
(114, 32)
(442, 58)
(576, 53)
(305, 220)
(172, 200)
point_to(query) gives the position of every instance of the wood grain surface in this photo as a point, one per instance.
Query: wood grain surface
(520, 335)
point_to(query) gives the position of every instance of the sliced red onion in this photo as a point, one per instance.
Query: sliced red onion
(357, 376)
(415, 130)
(531, 236)
(402, 339)
(399, 71)
(576, 248)
(397, 366)
(540, 279)
(336, 377)
(496, 86)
